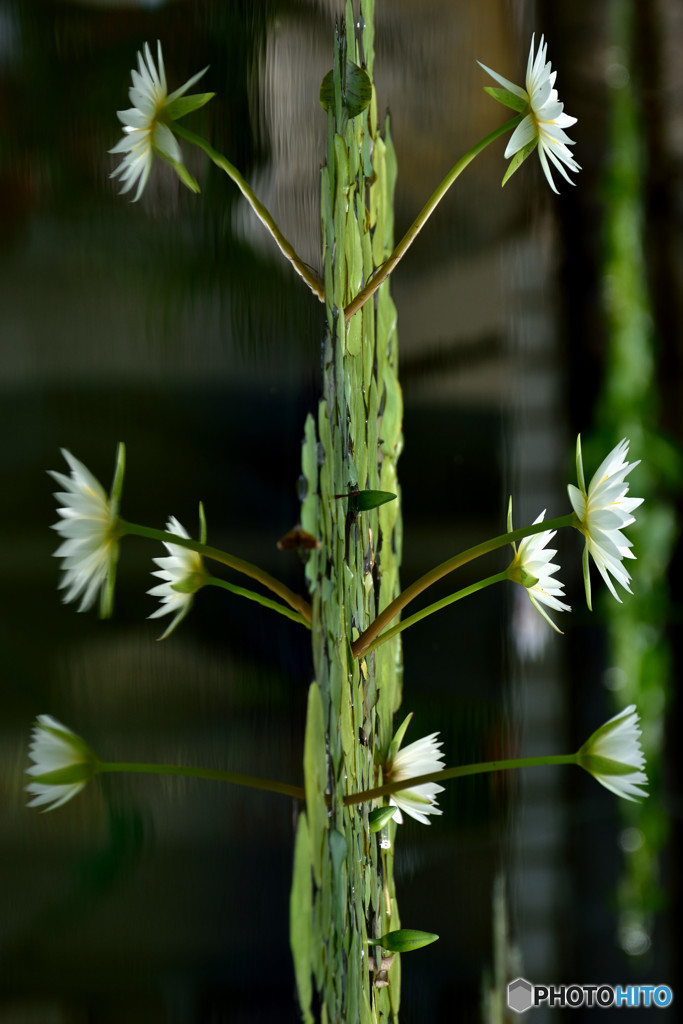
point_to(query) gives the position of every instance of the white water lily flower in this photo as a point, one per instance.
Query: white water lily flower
(543, 125)
(532, 566)
(419, 758)
(183, 574)
(146, 124)
(602, 512)
(88, 526)
(614, 757)
(63, 763)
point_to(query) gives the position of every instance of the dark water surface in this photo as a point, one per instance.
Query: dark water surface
(172, 324)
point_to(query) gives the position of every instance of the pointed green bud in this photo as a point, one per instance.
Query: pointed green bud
(380, 817)
(405, 940)
(363, 501)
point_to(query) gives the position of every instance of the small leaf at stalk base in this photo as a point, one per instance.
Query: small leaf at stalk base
(356, 90)
(380, 817)
(405, 939)
(507, 98)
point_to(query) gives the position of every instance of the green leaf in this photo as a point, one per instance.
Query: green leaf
(518, 159)
(406, 939)
(326, 93)
(300, 919)
(363, 501)
(380, 817)
(315, 779)
(507, 98)
(186, 105)
(356, 92)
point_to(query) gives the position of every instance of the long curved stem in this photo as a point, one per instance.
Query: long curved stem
(437, 606)
(237, 779)
(247, 568)
(361, 645)
(251, 595)
(457, 773)
(423, 216)
(286, 247)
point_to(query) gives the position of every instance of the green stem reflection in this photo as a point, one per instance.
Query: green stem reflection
(423, 216)
(214, 774)
(286, 248)
(239, 564)
(361, 645)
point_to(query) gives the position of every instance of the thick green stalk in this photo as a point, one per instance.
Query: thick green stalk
(237, 779)
(239, 564)
(406, 596)
(286, 247)
(457, 773)
(423, 216)
(437, 606)
(251, 595)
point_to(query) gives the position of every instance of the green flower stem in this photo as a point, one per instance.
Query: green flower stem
(437, 606)
(286, 248)
(239, 564)
(457, 773)
(251, 781)
(423, 216)
(363, 642)
(251, 595)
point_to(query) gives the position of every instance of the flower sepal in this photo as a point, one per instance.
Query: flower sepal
(517, 161)
(597, 765)
(73, 774)
(181, 170)
(184, 105)
(507, 98)
(398, 739)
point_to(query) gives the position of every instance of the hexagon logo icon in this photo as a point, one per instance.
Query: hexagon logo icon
(520, 995)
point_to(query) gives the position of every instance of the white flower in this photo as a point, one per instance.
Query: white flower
(614, 757)
(183, 575)
(544, 122)
(419, 758)
(146, 123)
(533, 568)
(63, 763)
(602, 512)
(88, 526)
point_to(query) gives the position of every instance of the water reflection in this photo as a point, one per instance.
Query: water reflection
(173, 325)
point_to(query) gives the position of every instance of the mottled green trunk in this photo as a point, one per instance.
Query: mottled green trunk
(343, 889)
